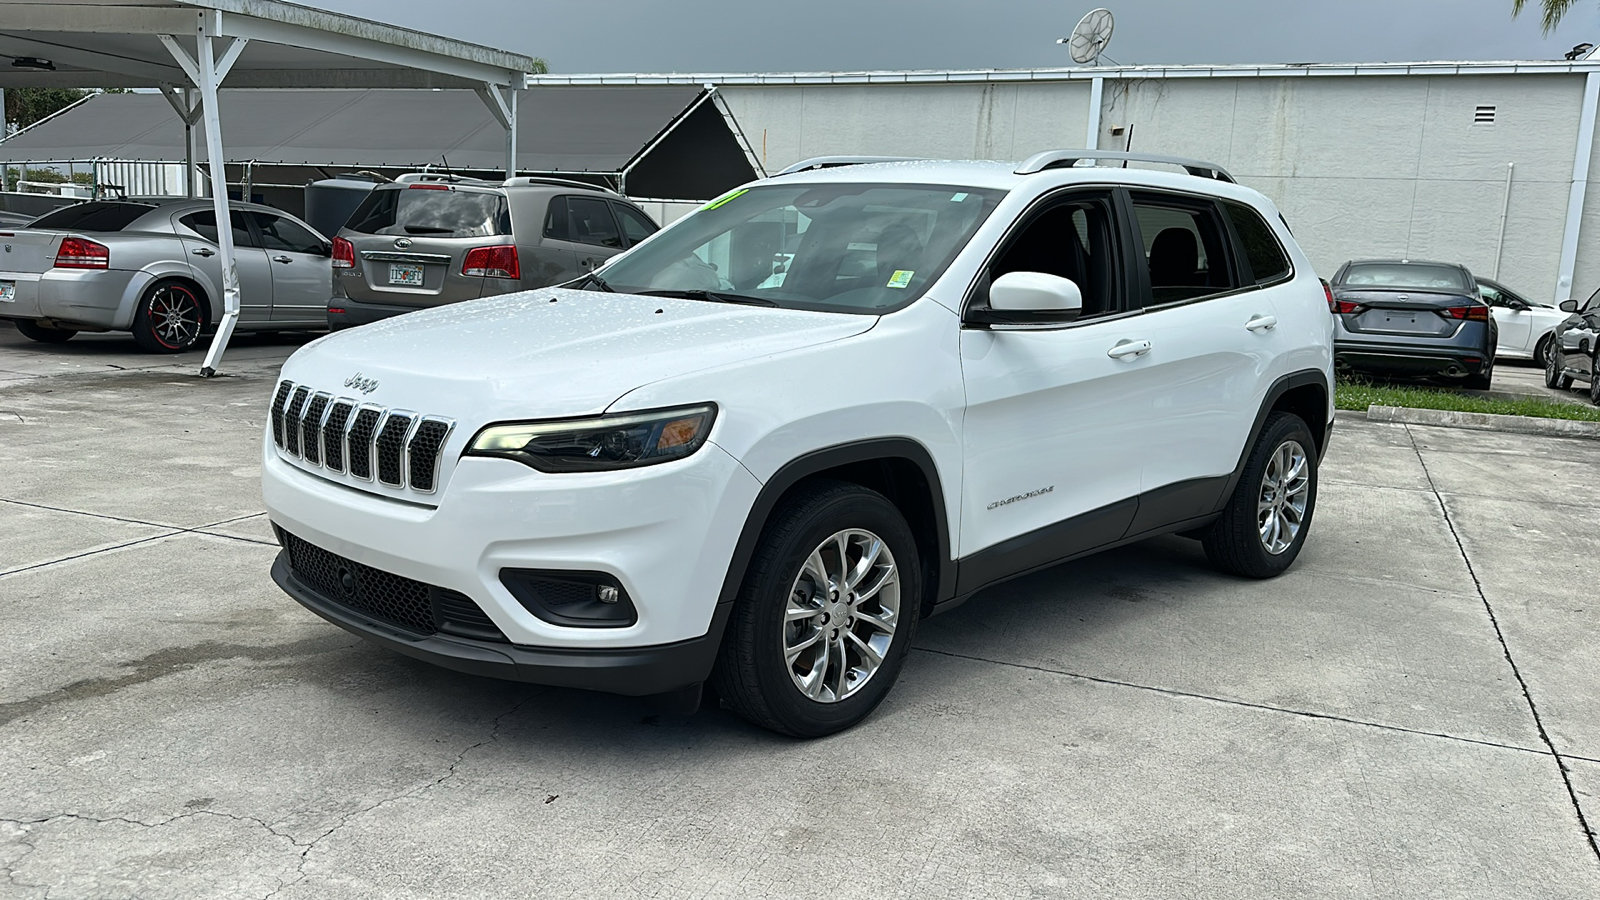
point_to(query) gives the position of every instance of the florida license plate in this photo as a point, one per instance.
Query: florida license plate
(410, 276)
(8, 291)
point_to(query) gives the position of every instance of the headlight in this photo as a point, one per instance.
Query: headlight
(602, 443)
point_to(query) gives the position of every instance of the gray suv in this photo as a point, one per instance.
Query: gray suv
(428, 239)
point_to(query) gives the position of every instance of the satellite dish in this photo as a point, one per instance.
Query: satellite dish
(1090, 38)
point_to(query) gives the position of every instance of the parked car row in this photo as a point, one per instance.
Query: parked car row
(152, 266)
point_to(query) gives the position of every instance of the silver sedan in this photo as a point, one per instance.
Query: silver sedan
(153, 268)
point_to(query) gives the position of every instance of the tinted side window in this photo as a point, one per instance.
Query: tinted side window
(204, 223)
(1184, 248)
(555, 219)
(1073, 239)
(1266, 257)
(589, 221)
(92, 216)
(280, 233)
(636, 226)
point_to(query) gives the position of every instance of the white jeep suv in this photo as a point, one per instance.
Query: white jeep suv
(757, 448)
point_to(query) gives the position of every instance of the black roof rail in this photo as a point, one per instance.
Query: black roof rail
(834, 162)
(1066, 159)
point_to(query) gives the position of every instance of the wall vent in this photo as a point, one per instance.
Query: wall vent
(1483, 115)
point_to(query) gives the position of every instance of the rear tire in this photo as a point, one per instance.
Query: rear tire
(1266, 520)
(33, 331)
(1541, 350)
(170, 318)
(825, 617)
(1594, 379)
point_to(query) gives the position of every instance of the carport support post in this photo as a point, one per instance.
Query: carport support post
(1580, 186)
(207, 72)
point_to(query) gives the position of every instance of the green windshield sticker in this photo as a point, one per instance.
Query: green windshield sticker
(724, 199)
(900, 278)
(958, 198)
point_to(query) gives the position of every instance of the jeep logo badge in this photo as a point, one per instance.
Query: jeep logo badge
(364, 385)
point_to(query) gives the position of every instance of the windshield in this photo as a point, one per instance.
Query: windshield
(866, 248)
(431, 210)
(1416, 276)
(93, 216)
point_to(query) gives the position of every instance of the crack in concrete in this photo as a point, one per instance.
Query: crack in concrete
(25, 826)
(172, 531)
(417, 791)
(1505, 649)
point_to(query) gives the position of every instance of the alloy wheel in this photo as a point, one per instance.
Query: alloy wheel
(1285, 490)
(841, 615)
(175, 316)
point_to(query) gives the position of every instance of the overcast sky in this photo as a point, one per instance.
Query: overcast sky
(808, 35)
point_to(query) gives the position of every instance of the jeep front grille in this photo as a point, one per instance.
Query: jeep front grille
(397, 447)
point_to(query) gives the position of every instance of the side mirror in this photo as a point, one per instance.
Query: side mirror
(1030, 298)
(1568, 306)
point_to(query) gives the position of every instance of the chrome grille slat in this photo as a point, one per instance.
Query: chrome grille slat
(390, 446)
(423, 452)
(333, 432)
(358, 440)
(397, 448)
(311, 427)
(278, 402)
(291, 420)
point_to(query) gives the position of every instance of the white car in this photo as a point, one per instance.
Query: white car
(1524, 326)
(757, 448)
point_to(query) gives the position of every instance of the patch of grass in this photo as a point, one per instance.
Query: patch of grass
(1358, 395)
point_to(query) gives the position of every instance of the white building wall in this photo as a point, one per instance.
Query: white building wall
(787, 123)
(1370, 165)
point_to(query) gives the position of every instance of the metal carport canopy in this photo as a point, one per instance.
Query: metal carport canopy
(176, 44)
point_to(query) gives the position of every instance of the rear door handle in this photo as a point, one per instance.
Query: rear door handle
(1127, 348)
(205, 251)
(1262, 323)
(281, 258)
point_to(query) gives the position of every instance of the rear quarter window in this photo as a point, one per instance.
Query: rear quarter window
(431, 212)
(93, 216)
(1268, 263)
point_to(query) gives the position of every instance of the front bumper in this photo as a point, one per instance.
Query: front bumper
(635, 671)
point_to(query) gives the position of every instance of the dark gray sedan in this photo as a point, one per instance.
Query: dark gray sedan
(1399, 318)
(152, 267)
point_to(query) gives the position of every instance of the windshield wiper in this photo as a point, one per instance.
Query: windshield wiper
(713, 296)
(598, 282)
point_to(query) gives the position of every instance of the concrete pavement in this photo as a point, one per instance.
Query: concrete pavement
(1410, 712)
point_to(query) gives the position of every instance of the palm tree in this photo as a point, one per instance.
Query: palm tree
(1553, 10)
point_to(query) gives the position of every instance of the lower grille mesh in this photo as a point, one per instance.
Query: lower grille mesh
(403, 602)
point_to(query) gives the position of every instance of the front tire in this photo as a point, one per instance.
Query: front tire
(33, 331)
(1266, 520)
(170, 318)
(1541, 352)
(825, 618)
(1555, 363)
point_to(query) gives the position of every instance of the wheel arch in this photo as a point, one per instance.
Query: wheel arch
(1307, 394)
(899, 468)
(150, 276)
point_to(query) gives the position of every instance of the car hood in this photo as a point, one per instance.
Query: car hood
(550, 352)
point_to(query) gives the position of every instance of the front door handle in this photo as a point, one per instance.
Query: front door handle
(1262, 323)
(1125, 348)
(205, 251)
(281, 258)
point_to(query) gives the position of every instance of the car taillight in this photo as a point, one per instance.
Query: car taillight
(344, 254)
(1343, 306)
(1327, 291)
(492, 262)
(82, 253)
(1470, 313)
